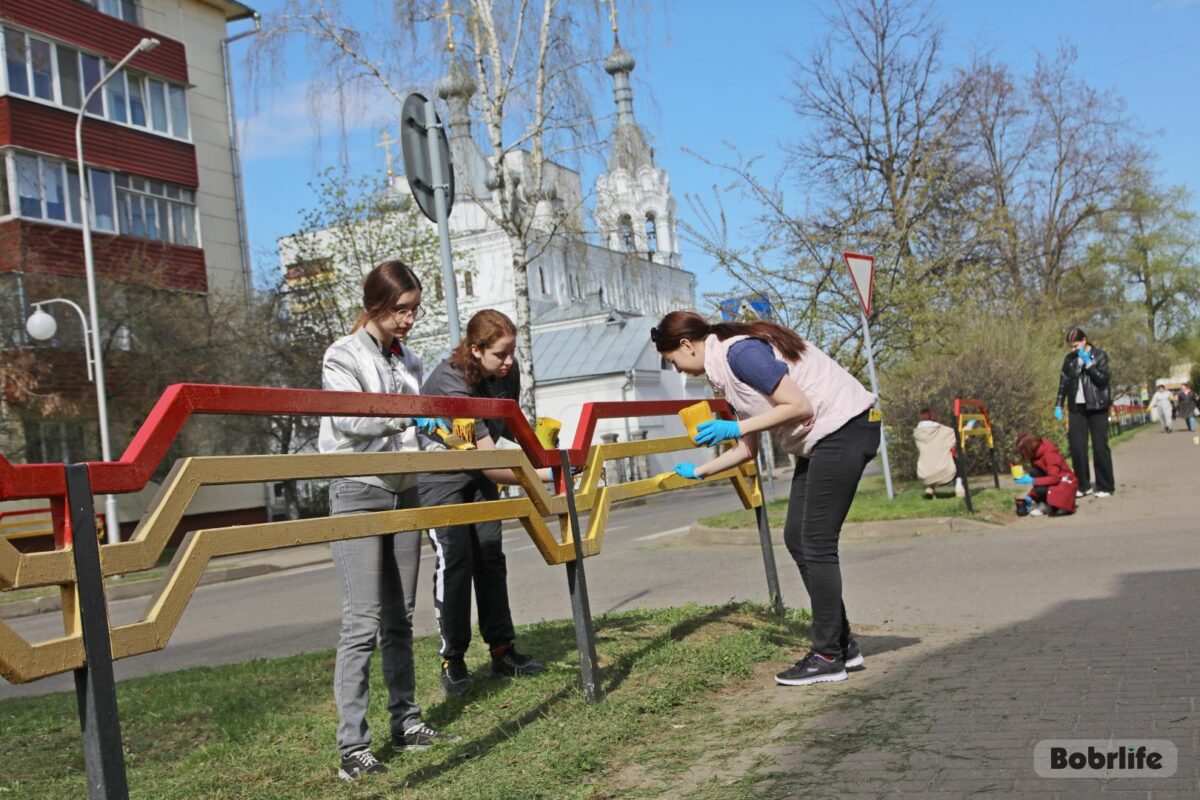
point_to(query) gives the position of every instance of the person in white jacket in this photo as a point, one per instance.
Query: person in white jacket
(935, 454)
(1161, 403)
(377, 574)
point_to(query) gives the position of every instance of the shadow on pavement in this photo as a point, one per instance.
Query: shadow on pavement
(963, 719)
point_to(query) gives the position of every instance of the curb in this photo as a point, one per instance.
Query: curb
(883, 529)
(125, 591)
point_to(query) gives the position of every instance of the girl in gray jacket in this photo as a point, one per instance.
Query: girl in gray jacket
(377, 574)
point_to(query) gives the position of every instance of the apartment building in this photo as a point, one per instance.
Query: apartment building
(157, 150)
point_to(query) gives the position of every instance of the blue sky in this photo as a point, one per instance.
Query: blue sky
(708, 75)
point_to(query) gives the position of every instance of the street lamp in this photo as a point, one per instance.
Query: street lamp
(42, 326)
(112, 522)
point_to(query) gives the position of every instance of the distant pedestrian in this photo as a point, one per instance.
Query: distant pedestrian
(1185, 404)
(1054, 483)
(1083, 389)
(1161, 404)
(472, 555)
(377, 574)
(777, 381)
(936, 464)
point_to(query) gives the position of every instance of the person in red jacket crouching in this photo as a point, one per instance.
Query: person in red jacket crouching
(1054, 483)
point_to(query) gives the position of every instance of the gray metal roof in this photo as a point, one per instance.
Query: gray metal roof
(584, 350)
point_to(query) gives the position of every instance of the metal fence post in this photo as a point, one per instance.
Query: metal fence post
(768, 551)
(95, 687)
(581, 610)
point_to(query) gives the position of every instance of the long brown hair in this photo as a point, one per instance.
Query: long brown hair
(482, 331)
(1028, 444)
(382, 289)
(680, 325)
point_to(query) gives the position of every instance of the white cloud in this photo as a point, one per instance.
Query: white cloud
(301, 116)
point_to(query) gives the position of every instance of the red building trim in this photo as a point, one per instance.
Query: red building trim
(56, 250)
(52, 131)
(76, 23)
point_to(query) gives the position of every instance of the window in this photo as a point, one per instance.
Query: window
(29, 190)
(69, 86)
(121, 9)
(179, 117)
(59, 74)
(469, 284)
(651, 233)
(54, 189)
(625, 231)
(5, 209)
(14, 58)
(156, 210)
(102, 200)
(115, 89)
(43, 69)
(158, 106)
(53, 441)
(542, 279)
(91, 77)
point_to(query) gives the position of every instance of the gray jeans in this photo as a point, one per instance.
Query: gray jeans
(378, 578)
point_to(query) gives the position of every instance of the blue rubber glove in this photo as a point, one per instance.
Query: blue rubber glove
(1058, 413)
(1027, 479)
(431, 424)
(686, 469)
(1086, 357)
(717, 430)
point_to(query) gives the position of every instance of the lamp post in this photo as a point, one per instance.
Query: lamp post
(112, 523)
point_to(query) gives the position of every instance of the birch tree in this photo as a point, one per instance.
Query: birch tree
(529, 61)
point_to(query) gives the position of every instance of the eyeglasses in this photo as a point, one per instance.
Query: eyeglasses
(416, 312)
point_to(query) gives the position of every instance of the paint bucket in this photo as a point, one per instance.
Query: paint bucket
(1022, 507)
(693, 415)
(547, 432)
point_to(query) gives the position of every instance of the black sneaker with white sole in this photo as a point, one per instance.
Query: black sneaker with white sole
(813, 668)
(358, 764)
(456, 680)
(421, 737)
(511, 664)
(852, 657)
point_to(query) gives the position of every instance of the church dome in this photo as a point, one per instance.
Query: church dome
(618, 60)
(457, 83)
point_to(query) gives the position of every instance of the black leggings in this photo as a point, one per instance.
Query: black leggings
(822, 490)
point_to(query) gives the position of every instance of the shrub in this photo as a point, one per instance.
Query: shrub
(1011, 365)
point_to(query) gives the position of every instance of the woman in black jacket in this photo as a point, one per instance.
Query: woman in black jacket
(1083, 389)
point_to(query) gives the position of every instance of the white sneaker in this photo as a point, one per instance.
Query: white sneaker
(1103, 494)
(1036, 512)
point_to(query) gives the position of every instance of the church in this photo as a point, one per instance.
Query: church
(594, 297)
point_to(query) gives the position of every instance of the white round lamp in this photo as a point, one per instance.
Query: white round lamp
(41, 325)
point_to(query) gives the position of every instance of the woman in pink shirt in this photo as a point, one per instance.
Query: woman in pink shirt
(778, 382)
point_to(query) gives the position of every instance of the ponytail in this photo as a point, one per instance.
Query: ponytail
(679, 325)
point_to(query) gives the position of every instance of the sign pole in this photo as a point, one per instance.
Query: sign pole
(862, 273)
(441, 184)
(883, 453)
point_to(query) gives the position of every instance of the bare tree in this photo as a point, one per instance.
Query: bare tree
(527, 61)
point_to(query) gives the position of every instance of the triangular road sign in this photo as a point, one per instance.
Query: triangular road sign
(862, 272)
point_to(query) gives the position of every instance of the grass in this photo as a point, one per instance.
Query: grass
(264, 729)
(871, 503)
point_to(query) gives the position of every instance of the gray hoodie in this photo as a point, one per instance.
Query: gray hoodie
(355, 363)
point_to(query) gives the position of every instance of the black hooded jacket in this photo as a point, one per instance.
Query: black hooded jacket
(1096, 393)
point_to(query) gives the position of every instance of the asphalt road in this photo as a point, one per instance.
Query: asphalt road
(298, 611)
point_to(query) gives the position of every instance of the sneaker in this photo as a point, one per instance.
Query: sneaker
(928, 492)
(813, 668)
(420, 736)
(852, 657)
(959, 491)
(1083, 493)
(512, 664)
(456, 680)
(1103, 494)
(359, 763)
(1040, 510)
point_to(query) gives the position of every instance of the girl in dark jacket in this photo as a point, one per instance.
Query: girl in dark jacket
(1054, 483)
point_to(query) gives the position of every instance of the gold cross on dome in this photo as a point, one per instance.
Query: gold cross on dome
(386, 142)
(448, 13)
(612, 14)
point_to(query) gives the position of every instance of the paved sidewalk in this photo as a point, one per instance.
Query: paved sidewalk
(979, 647)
